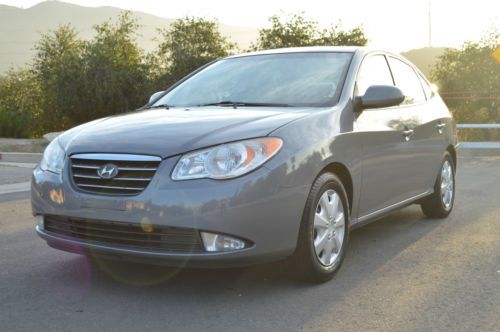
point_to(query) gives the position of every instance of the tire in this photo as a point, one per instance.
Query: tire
(318, 255)
(440, 203)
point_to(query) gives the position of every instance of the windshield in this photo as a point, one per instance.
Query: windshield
(290, 79)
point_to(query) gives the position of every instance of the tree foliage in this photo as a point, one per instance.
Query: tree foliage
(19, 104)
(115, 72)
(83, 80)
(469, 82)
(295, 30)
(57, 69)
(189, 43)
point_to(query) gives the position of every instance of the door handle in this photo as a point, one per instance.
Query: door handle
(440, 127)
(408, 133)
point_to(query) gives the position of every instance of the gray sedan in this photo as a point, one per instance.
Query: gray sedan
(252, 158)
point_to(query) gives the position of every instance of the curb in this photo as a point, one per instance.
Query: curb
(478, 152)
(14, 188)
(20, 157)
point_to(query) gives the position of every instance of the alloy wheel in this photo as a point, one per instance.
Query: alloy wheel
(329, 228)
(447, 184)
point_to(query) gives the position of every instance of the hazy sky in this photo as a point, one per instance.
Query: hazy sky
(387, 22)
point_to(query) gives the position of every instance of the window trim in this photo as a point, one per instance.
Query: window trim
(416, 73)
(424, 80)
(366, 56)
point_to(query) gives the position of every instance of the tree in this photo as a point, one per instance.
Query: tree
(469, 81)
(115, 71)
(84, 80)
(57, 68)
(294, 31)
(188, 44)
(20, 104)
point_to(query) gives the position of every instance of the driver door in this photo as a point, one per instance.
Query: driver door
(385, 149)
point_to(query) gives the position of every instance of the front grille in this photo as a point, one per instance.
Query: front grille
(134, 173)
(125, 235)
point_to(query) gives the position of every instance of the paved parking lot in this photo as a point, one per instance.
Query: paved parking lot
(404, 272)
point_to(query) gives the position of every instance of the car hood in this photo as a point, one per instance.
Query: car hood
(165, 133)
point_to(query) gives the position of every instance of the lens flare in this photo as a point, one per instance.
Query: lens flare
(57, 196)
(146, 225)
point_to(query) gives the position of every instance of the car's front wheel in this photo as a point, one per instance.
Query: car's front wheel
(440, 204)
(324, 231)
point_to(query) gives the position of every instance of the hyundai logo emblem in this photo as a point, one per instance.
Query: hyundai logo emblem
(107, 171)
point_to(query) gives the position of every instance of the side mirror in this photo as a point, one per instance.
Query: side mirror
(380, 96)
(155, 96)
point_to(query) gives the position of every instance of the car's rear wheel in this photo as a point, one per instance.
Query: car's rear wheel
(440, 204)
(324, 231)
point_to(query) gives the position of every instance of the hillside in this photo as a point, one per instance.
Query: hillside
(424, 58)
(21, 28)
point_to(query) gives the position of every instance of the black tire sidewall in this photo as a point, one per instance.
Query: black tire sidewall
(325, 182)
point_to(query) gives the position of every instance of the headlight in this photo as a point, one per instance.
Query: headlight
(53, 158)
(227, 160)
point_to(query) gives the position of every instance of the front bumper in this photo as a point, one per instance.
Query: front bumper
(256, 207)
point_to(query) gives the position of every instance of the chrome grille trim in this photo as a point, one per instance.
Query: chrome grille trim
(135, 172)
(120, 168)
(117, 178)
(84, 166)
(115, 157)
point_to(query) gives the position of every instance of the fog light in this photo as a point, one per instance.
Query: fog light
(39, 221)
(218, 242)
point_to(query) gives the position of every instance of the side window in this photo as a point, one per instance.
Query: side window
(374, 71)
(407, 80)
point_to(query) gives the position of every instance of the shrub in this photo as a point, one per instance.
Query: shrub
(14, 124)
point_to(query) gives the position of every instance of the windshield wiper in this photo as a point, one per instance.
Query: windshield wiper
(160, 106)
(235, 104)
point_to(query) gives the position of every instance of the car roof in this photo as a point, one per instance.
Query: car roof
(309, 49)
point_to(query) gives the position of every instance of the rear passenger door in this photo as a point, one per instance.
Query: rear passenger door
(425, 144)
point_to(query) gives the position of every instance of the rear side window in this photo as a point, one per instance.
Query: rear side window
(407, 80)
(374, 71)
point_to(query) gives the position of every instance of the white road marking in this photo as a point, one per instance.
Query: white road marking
(14, 187)
(23, 165)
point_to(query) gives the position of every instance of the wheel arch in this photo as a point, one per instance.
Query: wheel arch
(453, 152)
(345, 177)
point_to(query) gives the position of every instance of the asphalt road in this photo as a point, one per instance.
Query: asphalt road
(404, 272)
(10, 174)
